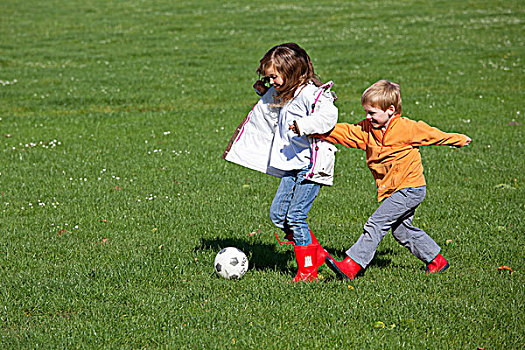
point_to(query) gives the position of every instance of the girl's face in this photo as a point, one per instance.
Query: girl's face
(274, 78)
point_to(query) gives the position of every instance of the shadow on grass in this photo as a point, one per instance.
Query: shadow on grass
(261, 256)
(380, 259)
(274, 257)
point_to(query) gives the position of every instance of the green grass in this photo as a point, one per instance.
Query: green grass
(115, 200)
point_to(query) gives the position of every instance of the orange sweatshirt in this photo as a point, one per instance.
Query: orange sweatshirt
(393, 157)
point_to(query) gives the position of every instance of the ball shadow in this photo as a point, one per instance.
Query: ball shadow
(260, 255)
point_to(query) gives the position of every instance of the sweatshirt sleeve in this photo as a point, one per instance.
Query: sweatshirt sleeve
(349, 135)
(426, 135)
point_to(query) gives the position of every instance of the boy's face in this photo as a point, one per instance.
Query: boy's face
(273, 77)
(377, 117)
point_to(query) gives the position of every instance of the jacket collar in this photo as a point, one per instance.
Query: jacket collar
(379, 135)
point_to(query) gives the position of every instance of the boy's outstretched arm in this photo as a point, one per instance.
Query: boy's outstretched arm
(423, 134)
(349, 135)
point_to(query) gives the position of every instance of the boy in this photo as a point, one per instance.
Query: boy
(392, 155)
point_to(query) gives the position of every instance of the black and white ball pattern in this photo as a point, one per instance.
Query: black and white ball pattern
(231, 263)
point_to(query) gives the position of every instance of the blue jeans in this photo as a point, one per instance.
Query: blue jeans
(396, 213)
(291, 204)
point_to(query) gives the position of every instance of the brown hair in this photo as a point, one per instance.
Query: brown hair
(383, 94)
(293, 64)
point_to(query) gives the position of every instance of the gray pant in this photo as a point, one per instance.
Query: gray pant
(396, 213)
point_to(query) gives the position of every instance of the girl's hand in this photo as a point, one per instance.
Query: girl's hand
(260, 88)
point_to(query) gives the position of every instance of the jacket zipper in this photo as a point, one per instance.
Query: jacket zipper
(315, 148)
(384, 134)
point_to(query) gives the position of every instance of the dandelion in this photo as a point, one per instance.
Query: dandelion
(7, 82)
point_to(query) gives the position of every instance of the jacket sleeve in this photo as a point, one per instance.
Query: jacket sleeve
(426, 135)
(322, 119)
(250, 145)
(349, 135)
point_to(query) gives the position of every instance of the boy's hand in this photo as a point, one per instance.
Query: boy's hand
(295, 128)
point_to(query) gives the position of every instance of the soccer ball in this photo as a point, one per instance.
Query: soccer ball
(231, 263)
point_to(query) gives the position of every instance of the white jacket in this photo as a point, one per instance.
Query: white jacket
(252, 143)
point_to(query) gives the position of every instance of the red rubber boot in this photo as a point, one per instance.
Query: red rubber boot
(439, 264)
(322, 254)
(346, 269)
(306, 256)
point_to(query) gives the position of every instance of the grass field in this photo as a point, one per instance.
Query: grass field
(115, 200)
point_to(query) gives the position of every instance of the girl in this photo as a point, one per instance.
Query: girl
(272, 139)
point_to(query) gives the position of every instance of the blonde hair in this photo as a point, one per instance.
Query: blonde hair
(383, 94)
(295, 66)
